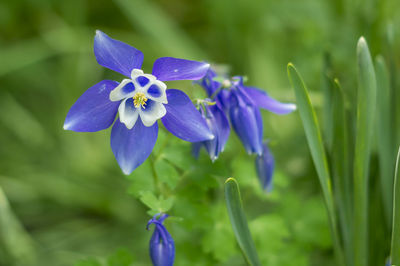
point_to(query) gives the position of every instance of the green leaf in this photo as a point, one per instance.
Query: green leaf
(239, 222)
(385, 136)
(395, 249)
(314, 139)
(341, 165)
(366, 103)
(327, 108)
(16, 245)
(157, 205)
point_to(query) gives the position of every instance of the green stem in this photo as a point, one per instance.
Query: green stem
(156, 180)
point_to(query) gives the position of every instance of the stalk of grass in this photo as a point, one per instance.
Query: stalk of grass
(395, 248)
(385, 136)
(341, 166)
(239, 222)
(313, 135)
(366, 102)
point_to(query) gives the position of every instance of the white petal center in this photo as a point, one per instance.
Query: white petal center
(142, 95)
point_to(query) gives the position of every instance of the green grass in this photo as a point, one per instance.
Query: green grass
(68, 200)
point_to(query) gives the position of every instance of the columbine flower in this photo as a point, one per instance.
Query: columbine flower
(218, 124)
(162, 248)
(265, 164)
(140, 100)
(243, 105)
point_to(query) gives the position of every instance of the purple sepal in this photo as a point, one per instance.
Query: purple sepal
(219, 126)
(116, 55)
(262, 100)
(247, 122)
(132, 147)
(208, 82)
(170, 68)
(182, 118)
(162, 247)
(265, 164)
(93, 111)
(196, 146)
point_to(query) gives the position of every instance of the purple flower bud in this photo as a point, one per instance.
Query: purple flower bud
(219, 126)
(265, 164)
(246, 121)
(162, 248)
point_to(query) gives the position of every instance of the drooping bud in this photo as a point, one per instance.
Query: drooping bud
(246, 121)
(265, 164)
(162, 247)
(219, 125)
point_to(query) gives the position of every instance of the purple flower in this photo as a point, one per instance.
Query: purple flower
(140, 99)
(265, 164)
(219, 125)
(243, 105)
(162, 248)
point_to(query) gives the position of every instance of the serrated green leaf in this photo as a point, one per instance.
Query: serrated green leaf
(149, 199)
(157, 205)
(239, 222)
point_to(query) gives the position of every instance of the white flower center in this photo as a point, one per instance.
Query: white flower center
(141, 96)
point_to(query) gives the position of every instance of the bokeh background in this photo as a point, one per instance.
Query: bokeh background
(63, 198)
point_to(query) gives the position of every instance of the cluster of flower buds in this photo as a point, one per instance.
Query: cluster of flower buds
(242, 104)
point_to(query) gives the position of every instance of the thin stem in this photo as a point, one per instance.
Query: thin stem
(157, 183)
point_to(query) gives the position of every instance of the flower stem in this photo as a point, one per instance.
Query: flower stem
(157, 183)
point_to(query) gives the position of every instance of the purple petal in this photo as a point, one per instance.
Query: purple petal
(196, 146)
(169, 68)
(131, 147)
(183, 120)
(247, 122)
(208, 82)
(116, 55)
(265, 168)
(93, 111)
(219, 125)
(262, 100)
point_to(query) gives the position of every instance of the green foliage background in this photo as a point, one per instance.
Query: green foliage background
(63, 198)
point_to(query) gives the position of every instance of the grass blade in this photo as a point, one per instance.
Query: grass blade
(395, 249)
(366, 103)
(150, 19)
(16, 246)
(385, 135)
(327, 108)
(239, 222)
(313, 135)
(341, 166)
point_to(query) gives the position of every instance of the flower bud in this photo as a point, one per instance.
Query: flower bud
(162, 248)
(265, 164)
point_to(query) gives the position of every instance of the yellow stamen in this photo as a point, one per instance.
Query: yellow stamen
(139, 100)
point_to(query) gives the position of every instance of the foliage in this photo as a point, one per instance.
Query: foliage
(70, 204)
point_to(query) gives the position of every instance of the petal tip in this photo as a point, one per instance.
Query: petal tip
(99, 33)
(126, 171)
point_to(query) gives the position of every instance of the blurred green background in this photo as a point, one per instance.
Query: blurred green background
(63, 198)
